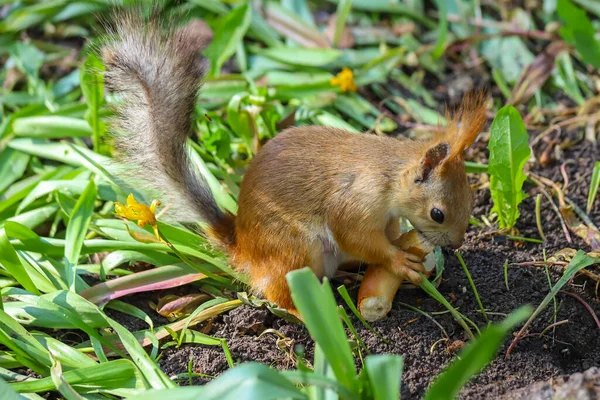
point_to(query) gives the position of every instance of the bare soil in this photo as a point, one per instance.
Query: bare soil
(570, 348)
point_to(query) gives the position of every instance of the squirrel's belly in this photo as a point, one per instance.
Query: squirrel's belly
(332, 256)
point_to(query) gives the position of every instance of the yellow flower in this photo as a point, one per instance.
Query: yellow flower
(345, 80)
(141, 213)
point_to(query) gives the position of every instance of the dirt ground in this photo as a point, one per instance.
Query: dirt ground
(568, 349)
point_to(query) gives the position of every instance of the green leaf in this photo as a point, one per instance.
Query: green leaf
(8, 393)
(308, 57)
(594, 184)
(248, 381)
(474, 357)
(92, 87)
(51, 126)
(578, 31)
(509, 151)
(442, 34)
(12, 166)
(385, 374)
(60, 383)
(317, 306)
(342, 12)
(231, 32)
(76, 231)
(579, 262)
(115, 374)
(13, 264)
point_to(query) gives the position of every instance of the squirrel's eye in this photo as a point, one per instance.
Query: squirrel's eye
(437, 215)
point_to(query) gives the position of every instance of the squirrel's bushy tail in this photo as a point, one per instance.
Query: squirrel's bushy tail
(157, 70)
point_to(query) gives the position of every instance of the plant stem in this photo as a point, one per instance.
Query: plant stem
(464, 266)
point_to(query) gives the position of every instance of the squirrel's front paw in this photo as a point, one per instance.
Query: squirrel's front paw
(408, 266)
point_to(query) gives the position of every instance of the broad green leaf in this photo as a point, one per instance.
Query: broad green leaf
(318, 308)
(149, 369)
(248, 381)
(12, 166)
(307, 57)
(60, 383)
(11, 262)
(107, 376)
(509, 151)
(69, 357)
(594, 184)
(23, 18)
(27, 350)
(474, 357)
(232, 30)
(8, 393)
(76, 231)
(51, 127)
(578, 31)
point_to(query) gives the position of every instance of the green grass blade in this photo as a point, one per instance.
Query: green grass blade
(12, 166)
(8, 393)
(92, 87)
(76, 231)
(14, 265)
(385, 374)
(594, 185)
(434, 293)
(51, 127)
(474, 357)
(60, 383)
(342, 12)
(317, 306)
(151, 372)
(248, 381)
(117, 374)
(225, 42)
(579, 262)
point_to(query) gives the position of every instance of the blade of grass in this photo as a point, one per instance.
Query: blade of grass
(10, 260)
(594, 185)
(385, 372)
(580, 261)
(464, 266)
(317, 306)
(342, 12)
(76, 231)
(474, 357)
(435, 294)
(346, 296)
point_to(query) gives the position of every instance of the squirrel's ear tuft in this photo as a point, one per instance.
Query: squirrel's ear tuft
(466, 124)
(433, 158)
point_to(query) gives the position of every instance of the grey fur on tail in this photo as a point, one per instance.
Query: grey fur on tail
(157, 70)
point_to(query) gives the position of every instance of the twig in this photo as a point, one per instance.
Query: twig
(553, 325)
(585, 304)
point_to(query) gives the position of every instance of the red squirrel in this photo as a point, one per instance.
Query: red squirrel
(312, 196)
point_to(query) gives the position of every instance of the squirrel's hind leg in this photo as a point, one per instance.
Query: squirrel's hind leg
(268, 275)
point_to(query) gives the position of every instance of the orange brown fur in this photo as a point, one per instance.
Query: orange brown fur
(312, 196)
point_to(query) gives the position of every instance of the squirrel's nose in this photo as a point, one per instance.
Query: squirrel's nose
(456, 244)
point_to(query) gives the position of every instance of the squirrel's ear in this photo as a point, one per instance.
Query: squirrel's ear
(468, 122)
(434, 157)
